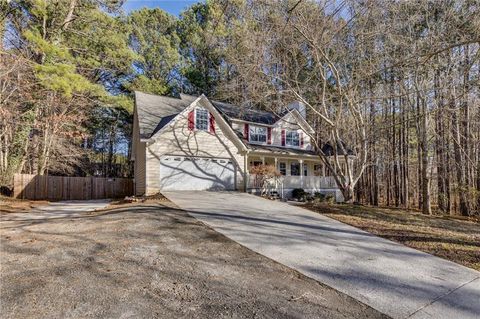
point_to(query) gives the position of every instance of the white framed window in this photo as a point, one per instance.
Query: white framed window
(305, 169)
(257, 134)
(295, 169)
(282, 168)
(256, 163)
(201, 119)
(318, 169)
(292, 138)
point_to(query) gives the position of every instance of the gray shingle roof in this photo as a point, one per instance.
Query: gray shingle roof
(280, 150)
(231, 111)
(328, 150)
(245, 114)
(188, 98)
(155, 111)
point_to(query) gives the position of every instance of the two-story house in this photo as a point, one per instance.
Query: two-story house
(193, 143)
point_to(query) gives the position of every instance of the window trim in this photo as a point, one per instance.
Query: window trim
(250, 127)
(254, 163)
(299, 168)
(195, 119)
(298, 138)
(318, 169)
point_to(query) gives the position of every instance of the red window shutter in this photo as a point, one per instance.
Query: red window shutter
(245, 131)
(212, 124)
(283, 137)
(191, 120)
(301, 139)
(269, 135)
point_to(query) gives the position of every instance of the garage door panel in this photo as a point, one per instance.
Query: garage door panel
(195, 173)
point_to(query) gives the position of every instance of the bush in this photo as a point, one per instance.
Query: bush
(319, 196)
(298, 193)
(264, 170)
(329, 199)
(323, 198)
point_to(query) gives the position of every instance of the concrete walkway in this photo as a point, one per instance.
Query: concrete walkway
(394, 279)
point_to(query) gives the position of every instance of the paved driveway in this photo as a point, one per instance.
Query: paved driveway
(148, 261)
(396, 280)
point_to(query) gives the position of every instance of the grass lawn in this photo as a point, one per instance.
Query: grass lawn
(448, 237)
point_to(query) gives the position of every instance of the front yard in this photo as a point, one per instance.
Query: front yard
(149, 261)
(451, 238)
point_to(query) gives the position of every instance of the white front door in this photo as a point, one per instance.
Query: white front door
(196, 173)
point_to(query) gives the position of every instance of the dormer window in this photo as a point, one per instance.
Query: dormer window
(201, 119)
(258, 134)
(292, 138)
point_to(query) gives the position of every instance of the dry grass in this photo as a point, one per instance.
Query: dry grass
(456, 239)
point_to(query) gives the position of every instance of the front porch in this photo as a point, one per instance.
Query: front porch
(308, 173)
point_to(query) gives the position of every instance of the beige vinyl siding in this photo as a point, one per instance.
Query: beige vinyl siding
(139, 169)
(177, 139)
(139, 158)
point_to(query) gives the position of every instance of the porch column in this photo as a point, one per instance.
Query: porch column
(276, 180)
(263, 160)
(301, 172)
(245, 173)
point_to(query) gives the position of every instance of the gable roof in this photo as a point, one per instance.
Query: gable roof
(231, 111)
(328, 150)
(154, 111)
(245, 114)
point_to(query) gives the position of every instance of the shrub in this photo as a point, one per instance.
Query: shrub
(298, 193)
(329, 199)
(264, 170)
(319, 196)
(323, 198)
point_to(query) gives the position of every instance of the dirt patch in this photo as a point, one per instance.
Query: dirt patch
(12, 205)
(128, 201)
(455, 239)
(150, 261)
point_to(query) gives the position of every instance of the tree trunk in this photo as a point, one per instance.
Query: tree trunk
(460, 168)
(347, 192)
(426, 207)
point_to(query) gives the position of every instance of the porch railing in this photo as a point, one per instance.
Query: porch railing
(306, 182)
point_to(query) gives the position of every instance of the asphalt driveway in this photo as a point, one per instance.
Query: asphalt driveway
(396, 280)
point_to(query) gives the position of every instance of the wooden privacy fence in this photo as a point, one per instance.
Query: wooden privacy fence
(28, 186)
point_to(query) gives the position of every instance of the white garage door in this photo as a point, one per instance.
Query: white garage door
(196, 173)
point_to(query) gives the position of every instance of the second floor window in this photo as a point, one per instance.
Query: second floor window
(292, 138)
(201, 119)
(258, 134)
